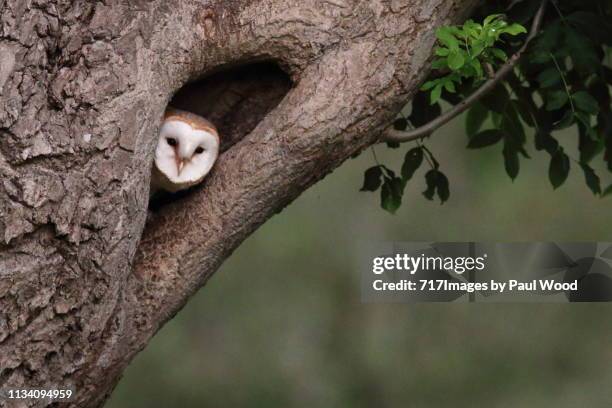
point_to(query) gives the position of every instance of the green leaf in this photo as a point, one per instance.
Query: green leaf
(428, 85)
(544, 140)
(475, 64)
(442, 52)
(391, 194)
(546, 43)
(436, 93)
(476, 117)
(472, 29)
(592, 180)
(559, 168)
(549, 77)
(497, 99)
(584, 123)
(440, 63)
(538, 57)
(598, 89)
(585, 102)
(446, 37)
(588, 147)
(582, 52)
(584, 119)
(450, 86)
(456, 60)
(436, 182)
(511, 160)
(372, 179)
(430, 191)
(514, 29)
(496, 118)
(491, 18)
(443, 187)
(412, 161)
(606, 121)
(485, 138)
(512, 126)
(556, 100)
(525, 112)
(566, 120)
(499, 54)
(422, 111)
(452, 98)
(477, 48)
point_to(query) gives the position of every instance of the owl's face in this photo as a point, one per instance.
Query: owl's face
(185, 154)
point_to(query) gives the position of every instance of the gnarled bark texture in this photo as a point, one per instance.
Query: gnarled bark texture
(84, 284)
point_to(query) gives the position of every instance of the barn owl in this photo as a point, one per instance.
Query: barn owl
(187, 148)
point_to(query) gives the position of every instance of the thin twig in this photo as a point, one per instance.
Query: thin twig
(399, 136)
(567, 89)
(374, 154)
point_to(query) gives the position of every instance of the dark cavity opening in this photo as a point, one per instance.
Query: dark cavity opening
(235, 99)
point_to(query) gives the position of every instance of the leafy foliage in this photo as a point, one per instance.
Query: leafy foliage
(467, 52)
(562, 82)
(393, 186)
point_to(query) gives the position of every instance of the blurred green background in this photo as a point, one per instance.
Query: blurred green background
(281, 323)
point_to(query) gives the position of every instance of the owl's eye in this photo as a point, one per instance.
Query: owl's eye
(199, 150)
(171, 141)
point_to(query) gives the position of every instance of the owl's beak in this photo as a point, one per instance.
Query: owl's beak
(180, 163)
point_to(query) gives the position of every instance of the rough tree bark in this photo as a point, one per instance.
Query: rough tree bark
(83, 84)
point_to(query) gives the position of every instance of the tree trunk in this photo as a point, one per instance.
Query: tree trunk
(84, 284)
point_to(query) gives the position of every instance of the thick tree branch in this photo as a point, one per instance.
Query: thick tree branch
(82, 95)
(398, 136)
(324, 120)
